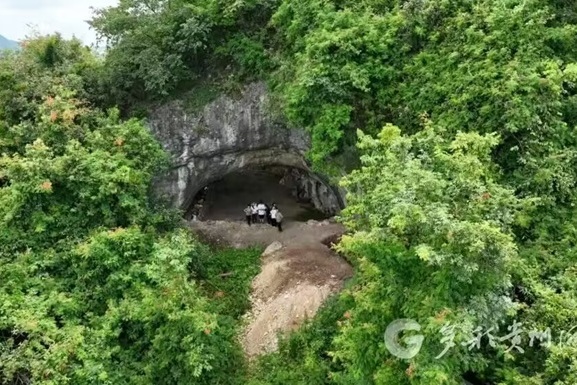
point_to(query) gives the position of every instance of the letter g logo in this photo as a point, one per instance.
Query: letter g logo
(414, 343)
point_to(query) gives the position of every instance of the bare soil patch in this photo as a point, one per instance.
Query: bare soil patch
(295, 279)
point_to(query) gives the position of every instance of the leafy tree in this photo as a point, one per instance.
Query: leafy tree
(46, 62)
(156, 46)
(97, 284)
(67, 172)
(431, 229)
(489, 66)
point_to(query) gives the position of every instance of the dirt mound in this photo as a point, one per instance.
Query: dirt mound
(298, 274)
(288, 267)
(293, 284)
(282, 313)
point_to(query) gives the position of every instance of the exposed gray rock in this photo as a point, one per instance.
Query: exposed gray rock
(226, 136)
(272, 248)
(308, 187)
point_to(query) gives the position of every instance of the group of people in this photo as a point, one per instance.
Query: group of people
(262, 213)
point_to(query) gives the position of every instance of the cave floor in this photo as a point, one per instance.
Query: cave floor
(227, 198)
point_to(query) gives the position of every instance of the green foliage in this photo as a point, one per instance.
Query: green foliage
(488, 66)
(99, 285)
(439, 199)
(68, 172)
(432, 231)
(229, 274)
(119, 308)
(302, 356)
(156, 46)
(45, 63)
(200, 96)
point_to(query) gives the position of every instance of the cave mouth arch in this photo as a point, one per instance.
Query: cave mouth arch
(300, 194)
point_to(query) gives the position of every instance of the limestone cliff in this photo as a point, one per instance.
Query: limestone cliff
(227, 135)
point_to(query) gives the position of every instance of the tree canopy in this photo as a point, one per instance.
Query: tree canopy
(451, 124)
(98, 285)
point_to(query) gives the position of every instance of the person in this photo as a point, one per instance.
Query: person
(273, 213)
(248, 213)
(267, 213)
(254, 212)
(261, 211)
(279, 218)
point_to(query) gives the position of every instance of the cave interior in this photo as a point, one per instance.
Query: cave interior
(225, 198)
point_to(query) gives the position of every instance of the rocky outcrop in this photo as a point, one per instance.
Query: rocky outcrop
(227, 135)
(310, 188)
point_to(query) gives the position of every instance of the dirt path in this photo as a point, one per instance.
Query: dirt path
(239, 235)
(298, 274)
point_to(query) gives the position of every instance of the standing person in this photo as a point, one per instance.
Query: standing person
(279, 218)
(261, 211)
(273, 213)
(267, 213)
(248, 213)
(254, 212)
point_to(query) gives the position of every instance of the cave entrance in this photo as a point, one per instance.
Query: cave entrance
(226, 198)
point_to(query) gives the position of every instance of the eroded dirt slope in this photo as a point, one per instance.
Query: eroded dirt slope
(298, 274)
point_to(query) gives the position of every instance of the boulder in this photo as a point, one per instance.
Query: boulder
(272, 248)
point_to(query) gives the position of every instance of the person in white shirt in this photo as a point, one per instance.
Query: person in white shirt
(261, 211)
(273, 212)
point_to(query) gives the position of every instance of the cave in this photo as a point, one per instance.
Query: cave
(299, 194)
(233, 151)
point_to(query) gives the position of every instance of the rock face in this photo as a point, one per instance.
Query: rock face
(228, 135)
(310, 188)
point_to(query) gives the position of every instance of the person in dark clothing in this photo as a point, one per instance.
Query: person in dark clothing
(254, 212)
(267, 214)
(248, 213)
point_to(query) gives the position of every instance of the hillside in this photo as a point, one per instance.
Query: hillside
(7, 44)
(447, 130)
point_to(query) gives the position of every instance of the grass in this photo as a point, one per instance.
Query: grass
(229, 273)
(225, 276)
